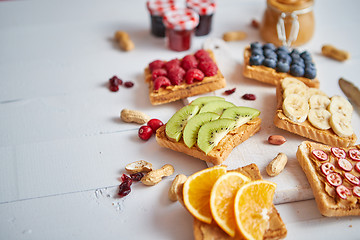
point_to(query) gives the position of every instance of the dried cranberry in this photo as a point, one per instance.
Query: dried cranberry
(155, 124)
(202, 55)
(126, 178)
(124, 189)
(115, 81)
(172, 63)
(156, 64)
(209, 68)
(128, 84)
(161, 82)
(230, 91)
(145, 132)
(158, 72)
(249, 96)
(176, 75)
(114, 88)
(136, 176)
(188, 62)
(194, 74)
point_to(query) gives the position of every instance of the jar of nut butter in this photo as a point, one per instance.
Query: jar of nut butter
(288, 22)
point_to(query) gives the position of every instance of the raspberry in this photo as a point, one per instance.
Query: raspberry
(209, 68)
(158, 72)
(172, 63)
(161, 81)
(176, 75)
(156, 64)
(188, 62)
(202, 55)
(194, 74)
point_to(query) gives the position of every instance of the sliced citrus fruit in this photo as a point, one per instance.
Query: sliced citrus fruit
(253, 201)
(197, 189)
(222, 200)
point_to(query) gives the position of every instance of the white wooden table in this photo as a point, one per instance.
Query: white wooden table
(63, 146)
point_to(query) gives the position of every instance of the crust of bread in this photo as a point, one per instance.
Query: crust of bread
(184, 90)
(305, 129)
(221, 151)
(269, 75)
(204, 231)
(326, 204)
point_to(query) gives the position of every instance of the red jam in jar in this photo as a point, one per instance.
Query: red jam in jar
(205, 9)
(180, 25)
(157, 8)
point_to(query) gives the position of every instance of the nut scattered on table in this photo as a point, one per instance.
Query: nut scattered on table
(276, 139)
(178, 180)
(234, 36)
(335, 53)
(139, 166)
(155, 176)
(128, 115)
(124, 41)
(276, 166)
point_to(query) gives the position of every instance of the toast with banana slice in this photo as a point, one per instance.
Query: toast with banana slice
(310, 113)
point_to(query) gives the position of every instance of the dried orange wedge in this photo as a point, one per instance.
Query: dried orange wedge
(253, 201)
(222, 200)
(197, 189)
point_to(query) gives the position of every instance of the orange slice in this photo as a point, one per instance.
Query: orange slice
(222, 200)
(197, 189)
(253, 201)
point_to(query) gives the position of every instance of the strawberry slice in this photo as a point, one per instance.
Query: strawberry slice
(352, 179)
(338, 152)
(345, 164)
(320, 155)
(327, 168)
(356, 191)
(343, 191)
(354, 154)
(334, 179)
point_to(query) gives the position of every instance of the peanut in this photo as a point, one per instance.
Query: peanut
(276, 139)
(178, 180)
(276, 166)
(334, 53)
(155, 176)
(124, 41)
(139, 166)
(135, 116)
(234, 36)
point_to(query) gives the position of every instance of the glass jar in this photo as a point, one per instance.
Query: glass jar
(205, 9)
(180, 25)
(288, 23)
(157, 8)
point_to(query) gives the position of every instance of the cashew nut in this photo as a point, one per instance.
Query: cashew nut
(155, 176)
(139, 166)
(124, 41)
(178, 180)
(128, 115)
(276, 165)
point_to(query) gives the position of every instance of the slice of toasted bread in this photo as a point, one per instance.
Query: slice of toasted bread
(202, 231)
(328, 202)
(184, 90)
(307, 130)
(269, 75)
(221, 151)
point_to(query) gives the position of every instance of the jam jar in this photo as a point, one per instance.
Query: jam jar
(157, 8)
(206, 10)
(180, 25)
(288, 22)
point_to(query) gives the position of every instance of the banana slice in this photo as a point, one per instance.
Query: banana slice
(319, 118)
(340, 105)
(319, 101)
(316, 91)
(341, 125)
(296, 108)
(289, 81)
(296, 89)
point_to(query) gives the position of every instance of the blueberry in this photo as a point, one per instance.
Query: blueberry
(255, 45)
(309, 64)
(268, 53)
(295, 51)
(269, 62)
(310, 72)
(283, 55)
(282, 66)
(298, 61)
(256, 60)
(306, 56)
(269, 46)
(282, 49)
(297, 70)
(256, 51)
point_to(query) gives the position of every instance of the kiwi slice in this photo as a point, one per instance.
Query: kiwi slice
(201, 101)
(193, 125)
(174, 127)
(211, 133)
(240, 114)
(216, 106)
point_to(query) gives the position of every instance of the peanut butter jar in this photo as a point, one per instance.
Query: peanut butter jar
(288, 22)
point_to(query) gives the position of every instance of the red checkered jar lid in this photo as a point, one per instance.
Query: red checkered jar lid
(202, 7)
(181, 19)
(159, 7)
